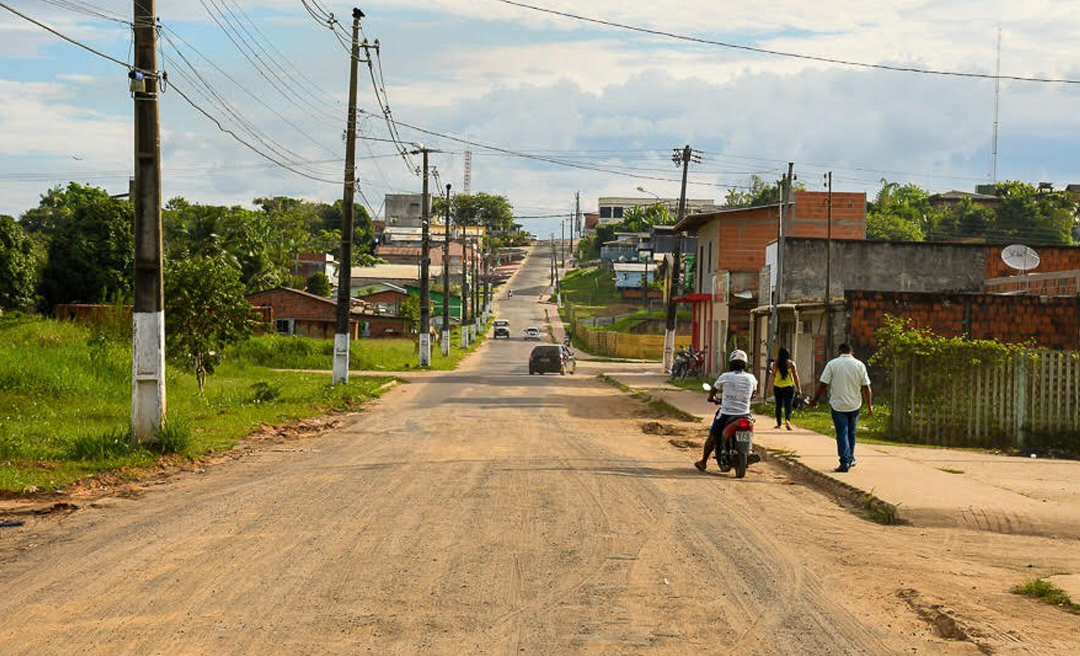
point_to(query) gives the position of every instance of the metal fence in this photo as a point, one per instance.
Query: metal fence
(1024, 403)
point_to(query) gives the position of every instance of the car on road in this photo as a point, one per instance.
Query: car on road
(532, 333)
(551, 358)
(502, 328)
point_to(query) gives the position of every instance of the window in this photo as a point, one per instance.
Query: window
(605, 212)
(283, 326)
(616, 212)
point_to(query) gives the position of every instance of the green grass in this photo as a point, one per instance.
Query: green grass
(691, 384)
(382, 354)
(590, 290)
(65, 403)
(872, 430)
(1042, 589)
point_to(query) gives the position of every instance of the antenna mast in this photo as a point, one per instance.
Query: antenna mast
(468, 168)
(997, 102)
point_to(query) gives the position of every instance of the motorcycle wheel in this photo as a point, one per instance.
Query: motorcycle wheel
(740, 465)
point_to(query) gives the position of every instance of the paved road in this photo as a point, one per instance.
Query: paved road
(480, 511)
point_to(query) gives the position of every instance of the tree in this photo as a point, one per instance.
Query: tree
(410, 309)
(643, 217)
(205, 310)
(899, 213)
(18, 266)
(758, 193)
(964, 220)
(1031, 216)
(489, 210)
(90, 251)
(318, 284)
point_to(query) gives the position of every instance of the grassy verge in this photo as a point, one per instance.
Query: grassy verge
(65, 402)
(382, 354)
(1048, 592)
(873, 430)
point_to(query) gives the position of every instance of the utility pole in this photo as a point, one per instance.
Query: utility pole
(446, 281)
(424, 338)
(464, 288)
(344, 305)
(682, 157)
(476, 294)
(828, 275)
(148, 318)
(562, 242)
(781, 232)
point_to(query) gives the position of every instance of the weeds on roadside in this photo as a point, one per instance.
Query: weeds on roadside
(950, 470)
(881, 512)
(1040, 588)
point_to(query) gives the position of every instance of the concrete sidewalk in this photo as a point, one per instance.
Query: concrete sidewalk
(999, 493)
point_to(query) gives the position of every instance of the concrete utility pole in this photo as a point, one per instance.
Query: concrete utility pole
(778, 291)
(424, 338)
(446, 281)
(562, 242)
(464, 289)
(344, 306)
(682, 157)
(828, 275)
(148, 318)
(477, 310)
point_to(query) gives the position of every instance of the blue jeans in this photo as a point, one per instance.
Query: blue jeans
(845, 423)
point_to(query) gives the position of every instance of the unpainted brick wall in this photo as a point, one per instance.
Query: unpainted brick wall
(1050, 322)
(1051, 258)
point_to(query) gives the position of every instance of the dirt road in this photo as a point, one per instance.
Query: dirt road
(489, 511)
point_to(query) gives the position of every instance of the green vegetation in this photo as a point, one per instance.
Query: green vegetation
(1024, 214)
(382, 354)
(1042, 589)
(18, 266)
(319, 284)
(872, 430)
(65, 402)
(492, 211)
(880, 511)
(591, 290)
(758, 193)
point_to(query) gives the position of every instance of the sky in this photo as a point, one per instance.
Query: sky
(547, 86)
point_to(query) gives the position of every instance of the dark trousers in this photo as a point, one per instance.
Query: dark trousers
(784, 397)
(845, 423)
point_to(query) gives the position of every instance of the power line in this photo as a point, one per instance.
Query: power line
(88, 9)
(792, 55)
(76, 43)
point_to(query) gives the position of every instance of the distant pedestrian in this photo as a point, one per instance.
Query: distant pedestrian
(849, 386)
(785, 377)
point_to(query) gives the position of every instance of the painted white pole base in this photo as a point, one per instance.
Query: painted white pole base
(558, 300)
(425, 349)
(464, 337)
(445, 343)
(341, 359)
(148, 375)
(669, 349)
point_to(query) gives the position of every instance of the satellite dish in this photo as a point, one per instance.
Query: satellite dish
(1020, 257)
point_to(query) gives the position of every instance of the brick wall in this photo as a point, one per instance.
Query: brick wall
(293, 304)
(389, 296)
(810, 215)
(1051, 322)
(1051, 258)
(1062, 283)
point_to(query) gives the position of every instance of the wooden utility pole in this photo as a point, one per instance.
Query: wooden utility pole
(148, 318)
(343, 333)
(682, 157)
(446, 281)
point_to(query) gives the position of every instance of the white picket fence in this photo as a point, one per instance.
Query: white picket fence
(1022, 403)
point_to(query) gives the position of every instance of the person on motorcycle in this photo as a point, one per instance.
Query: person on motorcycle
(736, 387)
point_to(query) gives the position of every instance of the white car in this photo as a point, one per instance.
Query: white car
(532, 333)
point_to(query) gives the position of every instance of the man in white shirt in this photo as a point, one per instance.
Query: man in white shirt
(736, 388)
(849, 386)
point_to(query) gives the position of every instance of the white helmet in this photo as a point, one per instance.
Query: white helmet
(738, 355)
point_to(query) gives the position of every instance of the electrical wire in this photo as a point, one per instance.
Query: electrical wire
(791, 55)
(77, 43)
(88, 9)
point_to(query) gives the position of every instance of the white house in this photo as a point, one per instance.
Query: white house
(628, 275)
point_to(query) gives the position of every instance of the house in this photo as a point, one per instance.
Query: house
(296, 312)
(395, 274)
(308, 264)
(385, 297)
(731, 251)
(592, 219)
(951, 288)
(950, 198)
(395, 254)
(612, 208)
(629, 275)
(623, 248)
(436, 304)
(404, 210)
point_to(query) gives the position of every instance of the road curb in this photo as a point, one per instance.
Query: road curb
(876, 509)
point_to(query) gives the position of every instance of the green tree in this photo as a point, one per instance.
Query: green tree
(90, 251)
(58, 205)
(18, 266)
(643, 217)
(964, 220)
(205, 311)
(1031, 216)
(899, 213)
(758, 193)
(318, 284)
(410, 309)
(492, 211)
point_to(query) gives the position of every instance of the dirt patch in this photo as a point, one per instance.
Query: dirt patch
(658, 428)
(940, 620)
(683, 443)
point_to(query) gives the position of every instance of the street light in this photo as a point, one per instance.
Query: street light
(646, 191)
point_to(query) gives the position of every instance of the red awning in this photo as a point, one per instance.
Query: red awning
(695, 298)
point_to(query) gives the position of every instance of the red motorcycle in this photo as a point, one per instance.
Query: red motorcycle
(736, 448)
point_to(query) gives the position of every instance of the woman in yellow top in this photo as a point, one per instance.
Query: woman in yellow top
(785, 382)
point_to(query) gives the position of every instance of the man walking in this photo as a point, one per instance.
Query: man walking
(849, 386)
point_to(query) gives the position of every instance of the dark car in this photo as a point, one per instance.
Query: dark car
(551, 358)
(502, 328)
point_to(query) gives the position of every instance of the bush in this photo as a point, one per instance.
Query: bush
(106, 445)
(265, 392)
